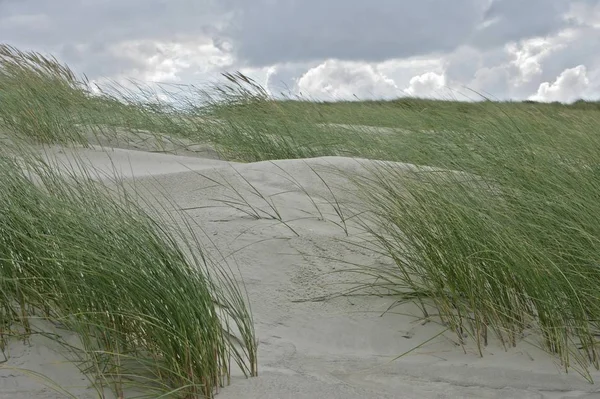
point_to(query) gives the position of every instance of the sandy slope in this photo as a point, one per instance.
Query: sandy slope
(339, 348)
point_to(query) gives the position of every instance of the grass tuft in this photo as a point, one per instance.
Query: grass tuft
(150, 309)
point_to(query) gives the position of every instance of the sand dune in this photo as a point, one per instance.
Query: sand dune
(336, 348)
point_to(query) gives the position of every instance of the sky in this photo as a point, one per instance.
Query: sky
(543, 50)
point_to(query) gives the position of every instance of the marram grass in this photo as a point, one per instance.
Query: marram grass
(505, 245)
(511, 246)
(151, 311)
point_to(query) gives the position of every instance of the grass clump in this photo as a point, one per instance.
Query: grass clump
(508, 245)
(44, 101)
(38, 96)
(152, 313)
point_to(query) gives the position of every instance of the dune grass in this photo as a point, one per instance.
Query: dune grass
(509, 244)
(506, 246)
(38, 95)
(503, 255)
(44, 102)
(152, 313)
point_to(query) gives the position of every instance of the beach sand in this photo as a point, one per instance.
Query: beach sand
(342, 347)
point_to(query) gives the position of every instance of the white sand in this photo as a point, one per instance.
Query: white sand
(339, 348)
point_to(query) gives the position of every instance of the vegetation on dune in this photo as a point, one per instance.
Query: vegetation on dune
(152, 313)
(407, 130)
(150, 310)
(509, 247)
(509, 244)
(37, 96)
(43, 101)
(244, 123)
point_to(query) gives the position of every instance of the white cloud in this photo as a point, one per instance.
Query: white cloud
(429, 84)
(188, 60)
(569, 86)
(401, 71)
(334, 80)
(271, 71)
(528, 55)
(516, 70)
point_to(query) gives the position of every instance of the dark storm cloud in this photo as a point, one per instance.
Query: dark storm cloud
(271, 31)
(266, 32)
(52, 23)
(513, 20)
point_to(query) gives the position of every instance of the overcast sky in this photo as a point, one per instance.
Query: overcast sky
(547, 50)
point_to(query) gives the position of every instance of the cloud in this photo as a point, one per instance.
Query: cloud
(429, 84)
(107, 21)
(279, 79)
(584, 14)
(186, 61)
(382, 48)
(271, 31)
(515, 20)
(527, 57)
(112, 38)
(569, 86)
(334, 79)
(516, 70)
